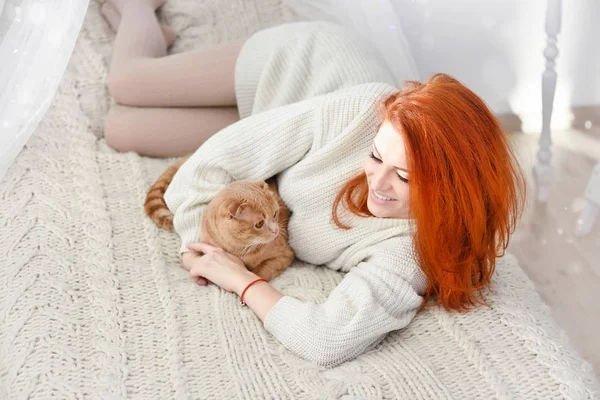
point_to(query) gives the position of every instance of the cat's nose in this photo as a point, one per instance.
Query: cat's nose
(275, 230)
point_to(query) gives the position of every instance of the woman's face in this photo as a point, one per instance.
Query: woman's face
(387, 175)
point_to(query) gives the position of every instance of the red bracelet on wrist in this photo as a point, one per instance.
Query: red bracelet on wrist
(250, 284)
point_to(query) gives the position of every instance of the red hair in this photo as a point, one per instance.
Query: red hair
(466, 188)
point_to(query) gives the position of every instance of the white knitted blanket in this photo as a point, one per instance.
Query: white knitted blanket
(93, 303)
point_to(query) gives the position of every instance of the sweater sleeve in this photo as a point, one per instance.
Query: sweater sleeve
(377, 296)
(259, 147)
(256, 147)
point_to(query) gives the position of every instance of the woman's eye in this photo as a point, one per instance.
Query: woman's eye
(259, 224)
(374, 157)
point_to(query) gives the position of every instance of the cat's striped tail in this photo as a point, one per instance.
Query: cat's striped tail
(155, 206)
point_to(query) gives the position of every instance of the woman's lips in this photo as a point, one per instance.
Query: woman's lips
(378, 200)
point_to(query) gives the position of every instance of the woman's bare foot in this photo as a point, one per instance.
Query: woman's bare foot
(112, 16)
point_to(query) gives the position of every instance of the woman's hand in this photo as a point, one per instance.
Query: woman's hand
(217, 266)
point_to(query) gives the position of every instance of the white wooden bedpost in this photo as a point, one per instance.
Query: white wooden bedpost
(542, 170)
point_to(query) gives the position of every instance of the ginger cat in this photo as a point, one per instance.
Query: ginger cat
(247, 219)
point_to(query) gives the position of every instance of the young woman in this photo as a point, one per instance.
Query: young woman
(412, 192)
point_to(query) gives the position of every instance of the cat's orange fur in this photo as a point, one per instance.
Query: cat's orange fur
(247, 219)
(155, 206)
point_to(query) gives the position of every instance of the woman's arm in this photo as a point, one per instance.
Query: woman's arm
(229, 272)
(257, 147)
(368, 304)
(376, 297)
(260, 297)
(379, 295)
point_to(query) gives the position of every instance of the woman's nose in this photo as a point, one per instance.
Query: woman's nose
(378, 179)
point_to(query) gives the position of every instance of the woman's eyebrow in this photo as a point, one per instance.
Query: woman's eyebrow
(401, 169)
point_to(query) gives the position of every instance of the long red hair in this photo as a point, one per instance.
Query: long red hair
(466, 188)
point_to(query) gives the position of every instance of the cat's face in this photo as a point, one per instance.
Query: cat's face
(252, 219)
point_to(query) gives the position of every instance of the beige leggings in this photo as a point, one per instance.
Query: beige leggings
(167, 105)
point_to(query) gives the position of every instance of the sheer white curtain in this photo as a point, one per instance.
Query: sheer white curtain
(36, 42)
(375, 20)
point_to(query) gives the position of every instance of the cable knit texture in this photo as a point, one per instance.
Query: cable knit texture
(94, 304)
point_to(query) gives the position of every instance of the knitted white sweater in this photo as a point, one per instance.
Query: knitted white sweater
(314, 147)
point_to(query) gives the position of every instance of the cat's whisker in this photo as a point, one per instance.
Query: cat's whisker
(245, 249)
(250, 246)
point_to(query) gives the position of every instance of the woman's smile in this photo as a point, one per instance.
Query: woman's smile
(380, 199)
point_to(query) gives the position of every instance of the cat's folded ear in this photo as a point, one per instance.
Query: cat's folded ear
(232, 209)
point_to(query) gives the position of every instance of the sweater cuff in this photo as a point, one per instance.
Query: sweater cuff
(279, 319)
(187, 237)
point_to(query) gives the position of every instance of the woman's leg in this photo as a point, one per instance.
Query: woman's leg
(164, 132)
(139, 77)
(112, 16)
(142, 75)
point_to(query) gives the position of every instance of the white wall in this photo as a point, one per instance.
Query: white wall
(496, 48)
